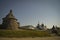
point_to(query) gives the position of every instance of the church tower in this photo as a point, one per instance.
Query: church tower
(10, 22)
(38, 25)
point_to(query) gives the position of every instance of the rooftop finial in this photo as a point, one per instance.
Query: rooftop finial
(10, 10)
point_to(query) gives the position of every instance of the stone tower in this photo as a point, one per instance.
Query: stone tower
(10, 22)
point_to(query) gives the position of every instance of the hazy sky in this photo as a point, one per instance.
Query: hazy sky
(29, 12)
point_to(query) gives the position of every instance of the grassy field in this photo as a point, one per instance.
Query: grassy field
(23, 33)
(29, 38)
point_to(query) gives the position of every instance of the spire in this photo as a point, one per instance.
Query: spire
(38, 23)
(10, 15)
(11, 11)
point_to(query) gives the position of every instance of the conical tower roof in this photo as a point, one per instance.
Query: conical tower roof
(10, 15)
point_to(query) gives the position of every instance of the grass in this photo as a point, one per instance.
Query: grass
(23, 33)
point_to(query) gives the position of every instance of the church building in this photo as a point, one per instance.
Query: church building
(41, 27)
(10, 22)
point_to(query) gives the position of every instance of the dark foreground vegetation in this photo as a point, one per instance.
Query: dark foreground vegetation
(23, 33)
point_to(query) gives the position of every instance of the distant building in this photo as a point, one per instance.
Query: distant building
(27, 27)
(38, 26)
(54, 29)
(41, 27)
(10, 22)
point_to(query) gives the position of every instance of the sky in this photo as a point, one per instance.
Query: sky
(30, 12)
